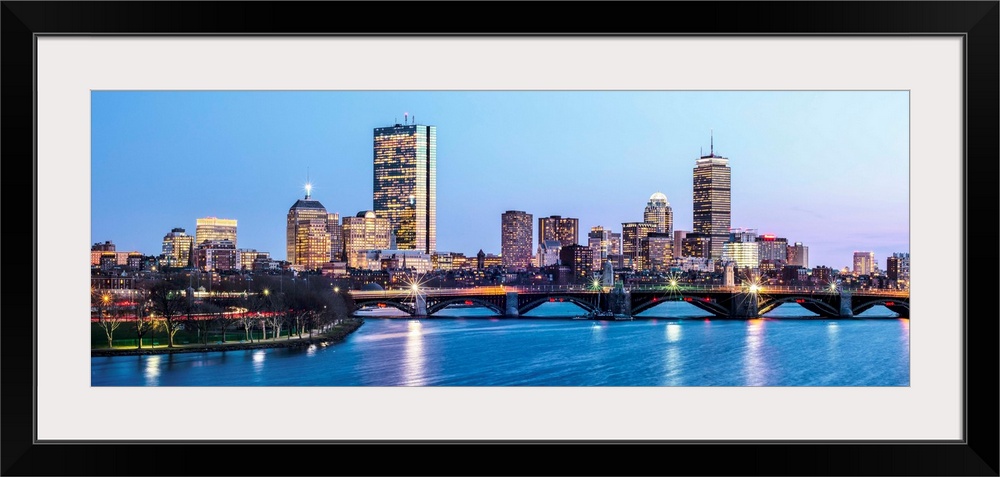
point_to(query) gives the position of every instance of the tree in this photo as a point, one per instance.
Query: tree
(252, 306)
(220, 318)
(201, 324)
(168, 303)
(143, 320)
(109, 316)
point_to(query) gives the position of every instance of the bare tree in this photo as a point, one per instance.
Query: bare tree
(168, 303)
(221, 317)
(109, 316)
(143, 320)
(201, 324)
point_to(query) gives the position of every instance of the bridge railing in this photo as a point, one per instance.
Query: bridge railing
(682, 288)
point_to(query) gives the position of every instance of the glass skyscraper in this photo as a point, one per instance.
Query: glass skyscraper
(712, 201)
(405, 183)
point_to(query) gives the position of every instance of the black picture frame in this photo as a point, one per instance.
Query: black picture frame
(977, 22)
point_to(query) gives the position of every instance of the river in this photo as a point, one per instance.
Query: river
(466, 347)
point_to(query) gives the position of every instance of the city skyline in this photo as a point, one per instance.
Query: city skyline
(820, 168)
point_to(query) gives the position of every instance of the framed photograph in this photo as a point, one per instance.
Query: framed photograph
(853, 123)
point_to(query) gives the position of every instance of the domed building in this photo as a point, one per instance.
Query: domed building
(307, 239)
(659, 212)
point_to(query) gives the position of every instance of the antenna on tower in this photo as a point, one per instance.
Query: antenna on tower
(404, 117)
(711, 141)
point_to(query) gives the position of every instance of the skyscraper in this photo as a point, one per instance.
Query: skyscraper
(712, 204)
(515, 239)
(405, 183)
(336, 237)
(564, 229)
(307, 239)
(659, 212)
(214, 228)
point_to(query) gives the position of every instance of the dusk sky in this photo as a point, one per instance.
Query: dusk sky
(828, 169)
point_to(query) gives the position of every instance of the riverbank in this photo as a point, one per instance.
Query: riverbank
(337, 334)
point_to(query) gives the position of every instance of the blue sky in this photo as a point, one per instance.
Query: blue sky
(829, 169)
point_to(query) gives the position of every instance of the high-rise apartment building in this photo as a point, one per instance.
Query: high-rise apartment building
(217, 255)
(798, 255)
(405, 183)
(307, 239)
(864, 263)
(214, 228)
(564, 229)
(712, 200)
(365, 231)
(659, 212)
(176, 249)
(516, 239)
(897, 268)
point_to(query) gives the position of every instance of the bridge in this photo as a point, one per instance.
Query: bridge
(739, 302)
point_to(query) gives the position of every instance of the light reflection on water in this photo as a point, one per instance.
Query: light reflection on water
(754, 367)
(414, 362)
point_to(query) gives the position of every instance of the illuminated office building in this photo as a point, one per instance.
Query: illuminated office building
(213, 228)
(307, 239)
(659, 212)
(712, 200)
(365, 231)
(405, 183)
(566, 230)
(742, 249)
(515, 239)
(660, 247)
(771, 248)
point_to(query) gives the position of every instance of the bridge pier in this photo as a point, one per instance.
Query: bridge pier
(744, 306)
(511, 305)
(846, 308)
(620, 302)
(420, 303)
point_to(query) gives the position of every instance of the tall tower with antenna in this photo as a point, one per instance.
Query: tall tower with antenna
(712, 199)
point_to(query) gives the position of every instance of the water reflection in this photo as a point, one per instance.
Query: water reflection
(673, 375)
(152, 372)
(413, 366)
(258, 361)
(673, 332)
(754, 367)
